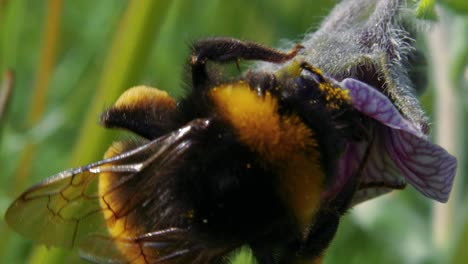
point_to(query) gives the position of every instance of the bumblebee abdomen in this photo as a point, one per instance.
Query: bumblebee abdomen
(230, 191)
(282, 142)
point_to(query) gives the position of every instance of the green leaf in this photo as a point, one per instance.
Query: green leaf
(426, 10)
(459, 6)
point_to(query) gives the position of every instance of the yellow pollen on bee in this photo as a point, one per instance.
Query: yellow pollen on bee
(335, 95)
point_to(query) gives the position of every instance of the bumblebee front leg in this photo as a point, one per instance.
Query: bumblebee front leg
(228, 49)
(225, 50)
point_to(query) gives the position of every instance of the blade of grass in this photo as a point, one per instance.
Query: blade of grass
(459, 78)
(50, 31)
(448, 119)
(129, 50)
(11, 19)
(39, 92)
(5, 93)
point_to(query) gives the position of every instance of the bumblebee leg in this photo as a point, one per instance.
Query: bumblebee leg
(263, 256)
(143, 110)
(224, 50)
(327, 220)
(318, 260)
(228, 49)
(310, 250)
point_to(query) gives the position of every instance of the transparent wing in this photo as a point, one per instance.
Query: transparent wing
(99, 198)
(156, 247)
(167, 246)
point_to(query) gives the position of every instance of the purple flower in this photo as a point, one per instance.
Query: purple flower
(400, 152)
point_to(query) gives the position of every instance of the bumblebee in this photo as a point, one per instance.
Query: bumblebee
(271, 160)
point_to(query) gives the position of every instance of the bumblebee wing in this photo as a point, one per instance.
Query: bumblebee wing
(67, 207)
(154, 247)
(171, 245)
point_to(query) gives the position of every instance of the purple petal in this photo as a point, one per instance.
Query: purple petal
(375, 104)
(347, 167)
(428, 167)
(380, 176)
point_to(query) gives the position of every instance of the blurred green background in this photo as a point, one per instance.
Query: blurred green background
(73, 58)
